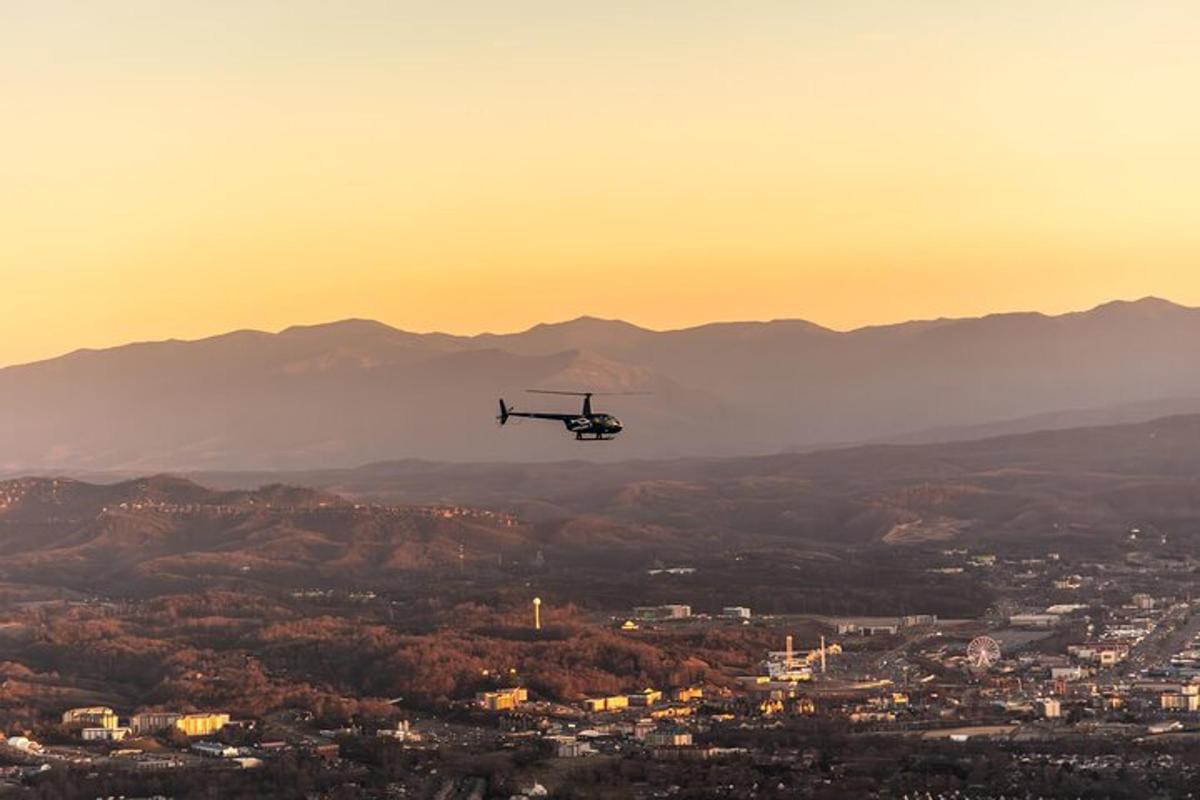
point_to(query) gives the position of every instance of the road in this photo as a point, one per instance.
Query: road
(1172, 634)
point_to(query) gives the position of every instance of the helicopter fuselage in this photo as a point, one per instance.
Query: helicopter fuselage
(597, 426)
(586, 425)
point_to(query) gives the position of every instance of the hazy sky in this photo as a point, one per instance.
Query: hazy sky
(173, 168)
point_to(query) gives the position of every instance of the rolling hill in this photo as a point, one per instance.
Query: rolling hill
(162, 531)
(778, 530)
(1037, 486)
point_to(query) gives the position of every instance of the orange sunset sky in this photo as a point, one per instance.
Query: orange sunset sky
(178, 169)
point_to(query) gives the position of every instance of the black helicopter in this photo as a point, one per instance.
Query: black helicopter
(586, 425)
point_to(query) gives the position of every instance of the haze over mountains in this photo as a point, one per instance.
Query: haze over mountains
(1083, 487)
(354, 392)
(1031, 485)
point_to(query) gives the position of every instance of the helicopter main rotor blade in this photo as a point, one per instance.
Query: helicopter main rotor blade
(586, 394)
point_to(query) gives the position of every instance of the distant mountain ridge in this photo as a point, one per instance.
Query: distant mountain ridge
(158, 529)
(358, 391)
(1086, 487)
(1089, 482)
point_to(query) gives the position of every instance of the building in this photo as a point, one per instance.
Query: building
(614, 703)
(689, 753)
(214, 749)
(646, 697)
(735, 612)
(804, 706)
(401, 732)
(686, 695)
(1185, 698)
(330, 751)
(1106, 654)
(201, 724)
(1066, 673)
(635, 729)
(104, 734)
(1064, 609)
(1051, 708)
(672, 712)
(1142, 602)
(502, 699)
(669, 737)
(90, 717)
(153, 721)
(570, 747)
(24, 744)
(868, 626)
(672, 611)
(1034, 620)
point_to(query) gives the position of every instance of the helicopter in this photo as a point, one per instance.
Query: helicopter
(587, 425)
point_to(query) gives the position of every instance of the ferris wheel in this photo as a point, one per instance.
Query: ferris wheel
(982, 653)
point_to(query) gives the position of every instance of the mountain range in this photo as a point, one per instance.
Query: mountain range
(354, 392)
(1038, 486)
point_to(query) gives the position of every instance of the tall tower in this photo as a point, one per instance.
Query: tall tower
(537, 613)
(822, 654)
(787, 662)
